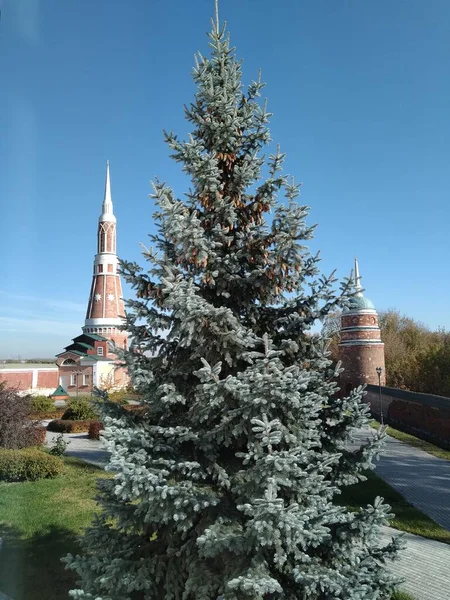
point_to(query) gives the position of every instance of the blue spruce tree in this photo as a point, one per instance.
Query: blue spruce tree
(225, 481)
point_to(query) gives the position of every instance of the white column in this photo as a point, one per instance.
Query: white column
(34, 379)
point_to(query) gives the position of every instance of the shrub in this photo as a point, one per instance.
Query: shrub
(68, 426)
(53, 414)
(28, 464)
(83, 397)
(139, 408)
(94, 430)
(118, 397)
(60, 447)
(16, 429)
(80, 410)
(41, 404)
(39, 434)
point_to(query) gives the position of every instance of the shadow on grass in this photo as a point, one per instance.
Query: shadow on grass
(77, 463)
(31, 569)
(407, 517)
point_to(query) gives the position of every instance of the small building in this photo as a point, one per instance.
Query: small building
(59, 394)
(87, 363)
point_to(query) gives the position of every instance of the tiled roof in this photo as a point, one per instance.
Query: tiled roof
(96, 357)
(60, 391)
(96, 337)
(71, 352)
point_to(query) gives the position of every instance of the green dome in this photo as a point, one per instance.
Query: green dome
(360, 303)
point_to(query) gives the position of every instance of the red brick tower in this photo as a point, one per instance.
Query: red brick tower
(361, 349)
(105, 310)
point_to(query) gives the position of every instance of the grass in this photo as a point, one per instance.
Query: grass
(402, 596)
(39, 523)
(414, 441)
(407, 518)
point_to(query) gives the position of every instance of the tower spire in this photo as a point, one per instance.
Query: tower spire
(107, 206)
(106, 312)
(358, 285)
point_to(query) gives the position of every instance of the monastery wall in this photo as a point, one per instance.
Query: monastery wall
(36, 381)
(424, 415)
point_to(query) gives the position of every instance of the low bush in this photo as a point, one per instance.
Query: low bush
(39, 435)
(57, 413)
(118, 397)
(138, 408)
(68, 426)
(80, 410)
(94, 430)
(28, 464)
(39, 404)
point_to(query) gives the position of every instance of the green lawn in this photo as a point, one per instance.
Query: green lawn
(40, 522)
(407, 518)
(402, 596)
(414, 441)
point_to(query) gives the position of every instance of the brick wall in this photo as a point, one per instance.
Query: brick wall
(360, 364)
(424, 415)
(120, 338)
(21, 380)
(34, 380)
(65, 373)
(47, 379)
(121, 378)
(367, 320)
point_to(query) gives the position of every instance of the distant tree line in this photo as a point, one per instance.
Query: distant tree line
(10, 361)
(417, 358)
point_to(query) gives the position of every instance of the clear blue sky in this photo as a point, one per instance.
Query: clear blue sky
(360, 92)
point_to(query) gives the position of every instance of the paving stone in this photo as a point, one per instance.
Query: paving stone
(80, 446)
(424, 564)
(422, 479)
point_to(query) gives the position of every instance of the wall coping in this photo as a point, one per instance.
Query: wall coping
(29, 370)
(419, 397)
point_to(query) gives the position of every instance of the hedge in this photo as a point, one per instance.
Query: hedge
(28, 464)
(67, 426)
(39, 434)
(137, 408)
(41, 404)
(94, 430)
(53, 414)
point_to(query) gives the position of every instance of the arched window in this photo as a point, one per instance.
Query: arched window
(68, 362)
(107, 237)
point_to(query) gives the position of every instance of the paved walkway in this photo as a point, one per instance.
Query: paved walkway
(422, 479)
(80, 446)
(424, 564)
